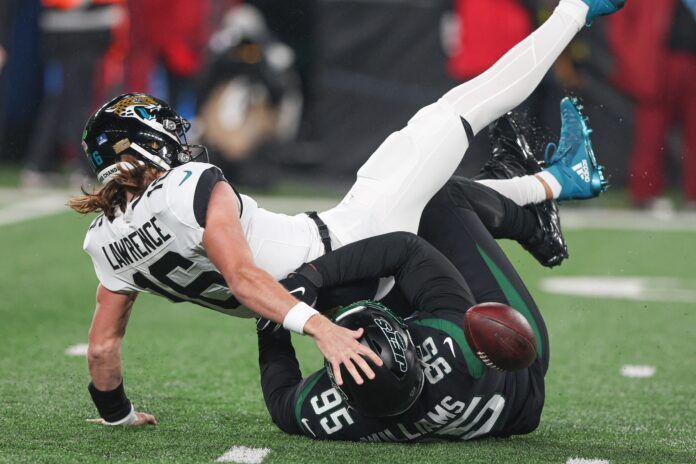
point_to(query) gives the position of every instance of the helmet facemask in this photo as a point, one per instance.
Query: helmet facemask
(169, 142)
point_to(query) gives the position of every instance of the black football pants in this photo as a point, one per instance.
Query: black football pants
(461, 221)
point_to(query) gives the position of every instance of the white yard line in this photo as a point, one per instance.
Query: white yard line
(244, 455)
(586, 461)
(79, 349)
(31, 208)
(637, 371)
(624, 219)
(23, 205)
(642, 288)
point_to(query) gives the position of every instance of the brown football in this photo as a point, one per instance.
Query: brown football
(500, 336)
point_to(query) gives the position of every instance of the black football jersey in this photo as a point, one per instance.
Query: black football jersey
(461, 399)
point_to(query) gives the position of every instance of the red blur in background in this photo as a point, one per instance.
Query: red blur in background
(487, 29)
(177, 39)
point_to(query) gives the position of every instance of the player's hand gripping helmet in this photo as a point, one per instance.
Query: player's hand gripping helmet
(139, 125)
(399, 381)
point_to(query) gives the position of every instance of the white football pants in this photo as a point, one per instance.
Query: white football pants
(406, 171)
(411, 165)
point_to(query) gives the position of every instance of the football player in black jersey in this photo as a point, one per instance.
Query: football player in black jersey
(461, 397)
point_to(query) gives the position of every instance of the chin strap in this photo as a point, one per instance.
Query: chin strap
(107, 174)
(156, 160)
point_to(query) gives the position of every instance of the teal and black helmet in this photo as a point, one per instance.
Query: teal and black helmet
(139, 125)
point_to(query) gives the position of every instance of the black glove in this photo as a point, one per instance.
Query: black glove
(301, 288)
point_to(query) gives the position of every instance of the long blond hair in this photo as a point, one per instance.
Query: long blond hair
(133, 178)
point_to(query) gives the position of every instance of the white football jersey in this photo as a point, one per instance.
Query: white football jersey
(156, 244)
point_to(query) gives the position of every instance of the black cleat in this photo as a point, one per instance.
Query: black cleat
(513, 157)
(547, 244)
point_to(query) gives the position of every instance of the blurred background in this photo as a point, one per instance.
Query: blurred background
(295, 95)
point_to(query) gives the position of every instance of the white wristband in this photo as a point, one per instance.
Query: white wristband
(128, 420)
(298, 316)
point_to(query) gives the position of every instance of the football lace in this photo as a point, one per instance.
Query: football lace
(486, 360)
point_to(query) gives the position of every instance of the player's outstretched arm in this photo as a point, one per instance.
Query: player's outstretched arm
(104, 360)
(229, 251)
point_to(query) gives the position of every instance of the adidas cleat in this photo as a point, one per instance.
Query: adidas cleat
(572, 162)
(602, 8)
(513, 157)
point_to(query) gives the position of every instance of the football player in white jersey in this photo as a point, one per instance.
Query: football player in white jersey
(170, 226)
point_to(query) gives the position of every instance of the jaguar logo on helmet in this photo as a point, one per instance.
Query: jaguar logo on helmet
(135, 106)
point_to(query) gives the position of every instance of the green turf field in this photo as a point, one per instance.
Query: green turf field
(196, 370)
